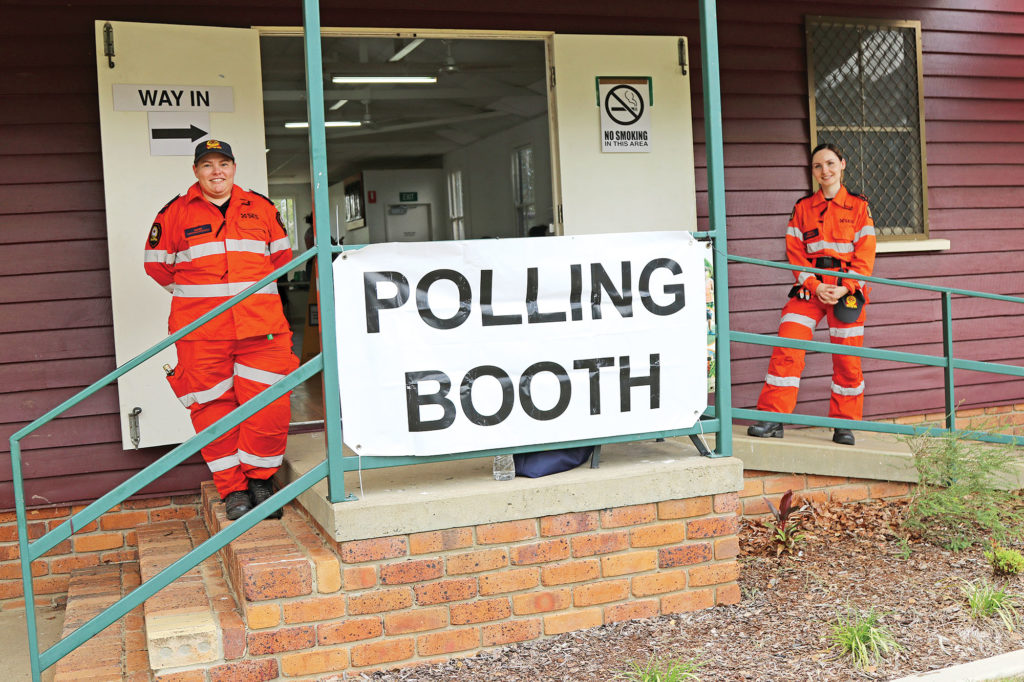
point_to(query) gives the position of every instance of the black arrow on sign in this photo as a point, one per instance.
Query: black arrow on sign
(191, 132)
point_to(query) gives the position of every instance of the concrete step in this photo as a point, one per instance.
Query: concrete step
(117, 653)
(194, 620)
(277, 559)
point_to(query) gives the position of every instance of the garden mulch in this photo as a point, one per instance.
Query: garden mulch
(853, 556)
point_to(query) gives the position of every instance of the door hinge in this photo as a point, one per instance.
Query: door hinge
(133, 427)
(682, 54)
(108, 44)
(552, 77)
(559, 214)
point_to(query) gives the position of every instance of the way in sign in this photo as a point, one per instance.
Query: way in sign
(154, 99)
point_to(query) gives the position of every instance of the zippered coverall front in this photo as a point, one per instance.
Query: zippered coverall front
(204, 258)
(840, 229)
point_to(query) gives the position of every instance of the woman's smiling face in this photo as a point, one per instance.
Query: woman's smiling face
(827, 168)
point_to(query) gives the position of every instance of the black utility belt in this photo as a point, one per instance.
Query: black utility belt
(829, 263)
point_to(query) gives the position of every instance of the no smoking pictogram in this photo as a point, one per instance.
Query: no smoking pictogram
(624, 105)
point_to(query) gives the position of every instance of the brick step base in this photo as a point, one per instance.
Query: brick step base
(277, 559)
(117, 653)
(194, 620)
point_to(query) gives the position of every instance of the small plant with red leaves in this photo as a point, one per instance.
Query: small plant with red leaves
(786, 532)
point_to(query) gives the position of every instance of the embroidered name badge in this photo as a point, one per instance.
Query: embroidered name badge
(198, 230)
(811, 234)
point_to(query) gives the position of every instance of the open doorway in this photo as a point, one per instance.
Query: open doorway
(462, 152)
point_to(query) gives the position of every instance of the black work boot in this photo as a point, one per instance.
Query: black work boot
(236, 504)
(843, 437)
(261, 491)
(765, 430)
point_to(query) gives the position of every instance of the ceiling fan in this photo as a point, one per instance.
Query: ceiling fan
(450, 66)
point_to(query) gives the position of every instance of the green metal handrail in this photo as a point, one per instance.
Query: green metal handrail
(947, 361)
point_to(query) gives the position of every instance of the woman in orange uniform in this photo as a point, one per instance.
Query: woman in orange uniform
(205, 247)
(830, 229)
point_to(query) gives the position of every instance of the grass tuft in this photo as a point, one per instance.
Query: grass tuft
(660, 670)
(862, 637)
(986, 600)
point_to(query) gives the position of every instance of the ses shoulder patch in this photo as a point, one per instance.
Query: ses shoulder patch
(154, 235)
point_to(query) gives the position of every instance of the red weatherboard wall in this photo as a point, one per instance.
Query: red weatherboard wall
(55, 322)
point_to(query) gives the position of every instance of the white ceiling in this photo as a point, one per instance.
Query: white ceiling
(483, 87)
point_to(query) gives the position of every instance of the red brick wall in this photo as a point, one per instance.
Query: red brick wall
(412, 598)
(761, 485)
(109, 540)
(1007, 419)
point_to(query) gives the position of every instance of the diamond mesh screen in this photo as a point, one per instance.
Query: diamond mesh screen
(866, 100)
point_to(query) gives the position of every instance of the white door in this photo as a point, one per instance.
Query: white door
(169, 87)
(624, 190)
(407, 223)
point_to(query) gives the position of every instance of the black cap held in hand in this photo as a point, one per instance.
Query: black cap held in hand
(848, 308)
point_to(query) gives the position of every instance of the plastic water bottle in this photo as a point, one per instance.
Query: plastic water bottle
(504, 468)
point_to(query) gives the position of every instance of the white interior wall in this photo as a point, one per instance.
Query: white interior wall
(487, 179)
(429, 187)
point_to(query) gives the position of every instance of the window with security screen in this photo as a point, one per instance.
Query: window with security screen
(864, 80)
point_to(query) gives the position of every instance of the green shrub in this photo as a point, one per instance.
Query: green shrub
(1005, 561)
(965, 492)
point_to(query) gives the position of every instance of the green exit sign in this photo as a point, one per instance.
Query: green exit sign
(408, 196)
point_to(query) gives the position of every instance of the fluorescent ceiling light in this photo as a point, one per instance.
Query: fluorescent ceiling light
(339, 104)
(384, 79)
(327, 124)
(404, 52)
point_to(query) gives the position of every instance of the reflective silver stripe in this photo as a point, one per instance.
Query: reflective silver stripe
(259, 375)
(155, 256)
(799, 319)
(199, 251)
(846, 332)
(842, 390)
(223, 463)
(795, 232)
(260, 462)
(785, 382)
(169, 287)
(246, 245)
(821, 246)
(281, 244)
(212, 290)
(804, 276)
(863, 232)
(209, 394)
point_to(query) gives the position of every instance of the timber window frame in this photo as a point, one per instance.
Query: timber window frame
(881, 136)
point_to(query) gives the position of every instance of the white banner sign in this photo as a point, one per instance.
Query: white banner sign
(449, 347)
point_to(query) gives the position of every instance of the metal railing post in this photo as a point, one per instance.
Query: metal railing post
(26, 561)
(322, 226)
(716, 212)
(947, 347)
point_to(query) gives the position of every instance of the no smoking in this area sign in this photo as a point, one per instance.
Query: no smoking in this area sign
(625, 104)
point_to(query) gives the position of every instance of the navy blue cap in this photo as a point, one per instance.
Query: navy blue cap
(211, 147)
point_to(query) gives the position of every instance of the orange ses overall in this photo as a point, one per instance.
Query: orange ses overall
(204, 258)
(837, 234)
